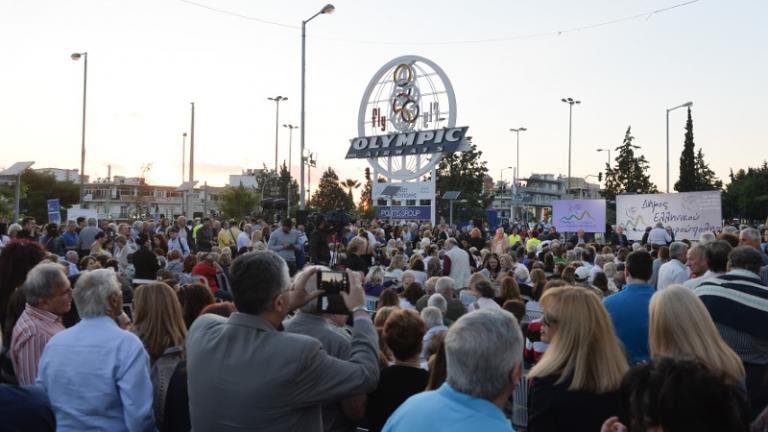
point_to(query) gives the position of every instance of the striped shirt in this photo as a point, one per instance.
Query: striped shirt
(32, 331)
(738, 304)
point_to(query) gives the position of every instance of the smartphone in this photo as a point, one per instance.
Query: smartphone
(332, 283)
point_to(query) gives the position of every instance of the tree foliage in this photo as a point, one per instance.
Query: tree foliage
(746, 196)
(329, 194)
(286, 181)
(238, 202)
(629, 174)
(695, 174)
(37, 188)
(464, 172)
(365, 206)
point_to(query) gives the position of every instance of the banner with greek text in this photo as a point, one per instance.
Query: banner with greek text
(688, 213)
(573, 215)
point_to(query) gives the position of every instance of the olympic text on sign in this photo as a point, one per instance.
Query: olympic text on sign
(446, 140)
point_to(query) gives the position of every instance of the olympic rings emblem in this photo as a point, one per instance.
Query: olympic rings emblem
(405, 100)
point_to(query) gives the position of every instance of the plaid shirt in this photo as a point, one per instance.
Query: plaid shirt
(32, 331)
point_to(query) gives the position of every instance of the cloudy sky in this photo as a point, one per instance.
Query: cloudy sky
(148, 59)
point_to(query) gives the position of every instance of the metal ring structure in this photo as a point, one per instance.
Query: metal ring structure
(399, 87)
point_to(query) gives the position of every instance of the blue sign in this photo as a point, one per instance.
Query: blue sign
(405, 212)
(53, 206)
(54, 211)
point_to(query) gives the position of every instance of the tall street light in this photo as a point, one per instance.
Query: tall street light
(685, 105)
(75, 57)
(609, 154)
(570, 103)
(517, 132)
(327, 9)
(277, 100)
(290, 145)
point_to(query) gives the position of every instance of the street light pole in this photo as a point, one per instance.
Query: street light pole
(687, 104)
(517, 132)
(327, 9)
(76, 56)
(277, 100)
(570, 103)
(290, 145)
(609, 153)
(183, 155)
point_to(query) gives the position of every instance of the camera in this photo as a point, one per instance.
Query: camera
(333, 283)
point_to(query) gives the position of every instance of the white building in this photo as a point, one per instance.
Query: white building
(130, 197)
(62, 174)
(249, 178)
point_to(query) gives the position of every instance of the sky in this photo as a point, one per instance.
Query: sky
(148, 59)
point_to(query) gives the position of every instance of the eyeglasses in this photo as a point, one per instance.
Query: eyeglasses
(548, 320)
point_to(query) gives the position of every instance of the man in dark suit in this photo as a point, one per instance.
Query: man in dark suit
(144, 260)
(245, 374)
(619, 238)
(579, 238)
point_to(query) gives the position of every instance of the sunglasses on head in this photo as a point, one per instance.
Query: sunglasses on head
(548, 320)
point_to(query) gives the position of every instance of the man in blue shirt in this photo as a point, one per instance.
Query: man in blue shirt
(70, 236)
(285, 242)
(485, 351)
(96, 374)
(629, 308)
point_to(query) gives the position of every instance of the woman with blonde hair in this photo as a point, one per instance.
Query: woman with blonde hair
(499, 242)
(257, 242)
(680, 327)
(159, 323)
(575, 385)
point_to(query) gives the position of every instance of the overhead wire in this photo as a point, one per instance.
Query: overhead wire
(646, 15)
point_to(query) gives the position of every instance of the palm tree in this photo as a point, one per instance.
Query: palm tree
(350, 184)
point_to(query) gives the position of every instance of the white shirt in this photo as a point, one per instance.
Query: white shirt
(483, 303)
(659, 236)
(243, 240)
(694, 283)
(672, 272)
(405, 304)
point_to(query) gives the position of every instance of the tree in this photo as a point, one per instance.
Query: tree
(464, 172)
(286, 181)
(630, 172)
(687, 181)
(329, 194)
(746, 196)
(238, 202)
(695, 174)
(365, 207)
(37, 188)
(350, 184)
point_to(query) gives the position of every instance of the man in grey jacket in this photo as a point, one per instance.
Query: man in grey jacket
(245, 374)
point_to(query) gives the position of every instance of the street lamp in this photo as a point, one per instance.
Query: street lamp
(609, 154)
(327, 9)
(76, 57)
(570, 103)
(277, 100)
(517, 132)
(310, 160)
(685, 105)
(290, 142)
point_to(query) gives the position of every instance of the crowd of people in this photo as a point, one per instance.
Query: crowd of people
(218, 325)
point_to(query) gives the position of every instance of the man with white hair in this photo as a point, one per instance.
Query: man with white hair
(48, 297)
(88, 236)
(484, 352)
(244, 238)
(751, 237)
(96, 374)
(659, 236)
(433, 318)
(445, 287)
(456, 263)
(674, 271)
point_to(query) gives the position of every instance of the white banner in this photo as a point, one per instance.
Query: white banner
(408, 191)
(688, 213)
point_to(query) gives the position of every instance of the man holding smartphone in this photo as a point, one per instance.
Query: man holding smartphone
(285, 242)
(272, 380)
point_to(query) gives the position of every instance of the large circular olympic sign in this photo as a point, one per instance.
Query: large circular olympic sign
(408, 94)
